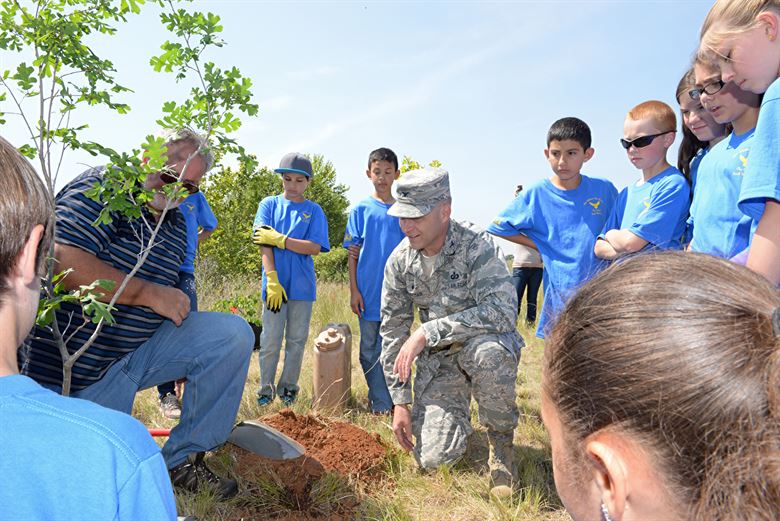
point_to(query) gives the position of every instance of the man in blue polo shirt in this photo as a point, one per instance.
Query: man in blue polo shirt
(155, 338)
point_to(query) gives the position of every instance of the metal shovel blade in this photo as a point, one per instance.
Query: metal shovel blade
(265, 441)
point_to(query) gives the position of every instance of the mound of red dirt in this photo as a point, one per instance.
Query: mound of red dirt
(339, 446)
(336, 450)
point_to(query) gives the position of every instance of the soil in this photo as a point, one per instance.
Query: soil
(341, 452)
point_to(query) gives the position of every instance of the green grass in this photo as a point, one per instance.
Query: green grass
(459, 493)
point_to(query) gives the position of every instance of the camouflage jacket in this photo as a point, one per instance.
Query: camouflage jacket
(469, 293)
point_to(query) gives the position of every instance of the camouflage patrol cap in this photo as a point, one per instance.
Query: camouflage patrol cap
(418, 191)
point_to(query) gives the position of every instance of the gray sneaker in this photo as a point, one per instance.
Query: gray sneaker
(170, 406)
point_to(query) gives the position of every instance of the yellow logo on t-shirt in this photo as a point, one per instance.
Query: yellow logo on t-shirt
(740, 171)
(595, 204)
(497, 222)
(306, 216)
(347, 237)
(191, 207)
(646, 204)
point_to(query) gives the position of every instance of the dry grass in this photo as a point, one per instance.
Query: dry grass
(459, 493)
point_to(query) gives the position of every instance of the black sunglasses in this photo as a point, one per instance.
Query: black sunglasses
(169, 177)
(710, 88)
(641, 142)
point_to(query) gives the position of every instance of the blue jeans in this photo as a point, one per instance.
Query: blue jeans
(370, 349)
(530, 278)
(210, 350)
(187, 285)
(292, 323)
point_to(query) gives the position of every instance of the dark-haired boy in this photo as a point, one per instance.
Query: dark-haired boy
(376, 234)
(561, 216)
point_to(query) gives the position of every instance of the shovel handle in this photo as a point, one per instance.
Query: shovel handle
(160, 432)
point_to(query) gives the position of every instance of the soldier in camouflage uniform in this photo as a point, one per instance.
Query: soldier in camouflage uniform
(467, 343)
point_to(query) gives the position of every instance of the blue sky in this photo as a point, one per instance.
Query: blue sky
(472, 84)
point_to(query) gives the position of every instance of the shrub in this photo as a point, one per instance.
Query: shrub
(332, 266)
(246, 306)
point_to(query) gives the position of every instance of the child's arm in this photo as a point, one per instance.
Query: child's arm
(624, 241)
(521, 239)
(275, 294)
(268, 236)
(604, 250)
(267, 256)
(355, 297)
(302, 246)
(203, 235)
(764, 257)
(207, 221)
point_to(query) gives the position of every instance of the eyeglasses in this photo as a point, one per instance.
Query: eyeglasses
(710, 88)
(169, 177)
(641, 142)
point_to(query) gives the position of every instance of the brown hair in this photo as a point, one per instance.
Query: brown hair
(690, 144)
(661, 114)
(24, 203)
(679, 351)
(728, 18)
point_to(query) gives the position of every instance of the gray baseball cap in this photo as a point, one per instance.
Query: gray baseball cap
(418, 191)
(295, 163)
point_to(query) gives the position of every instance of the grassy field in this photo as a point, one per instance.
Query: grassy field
(459, 493)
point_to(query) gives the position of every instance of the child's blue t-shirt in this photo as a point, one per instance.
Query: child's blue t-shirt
(67, 458)
(304, 220)
(720, 228)
(197, 213)
(655, 210)
(563, 224)
(762, 176)
(378, 234)
(695, 162)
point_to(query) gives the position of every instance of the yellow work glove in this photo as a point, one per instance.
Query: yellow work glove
(275, 295)
(267, 236)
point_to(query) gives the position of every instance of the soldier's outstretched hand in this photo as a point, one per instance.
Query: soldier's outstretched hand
(402, 426)
(409, 351)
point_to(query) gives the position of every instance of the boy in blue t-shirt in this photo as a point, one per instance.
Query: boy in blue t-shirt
(561, 216)
(652, 212)
(113, 468)
(719, 227)
(201, 223)
(375, 235)
(291, 230)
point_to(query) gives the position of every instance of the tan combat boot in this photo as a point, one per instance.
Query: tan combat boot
(500, 463)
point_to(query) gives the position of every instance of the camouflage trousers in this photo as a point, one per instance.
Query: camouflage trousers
(444, 383)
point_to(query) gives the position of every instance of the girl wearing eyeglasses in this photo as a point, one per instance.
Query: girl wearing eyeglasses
(719, 227)
(741, 38)
(700, 131)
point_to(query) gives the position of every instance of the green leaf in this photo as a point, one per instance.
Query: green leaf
(24, 76)
(28, 151)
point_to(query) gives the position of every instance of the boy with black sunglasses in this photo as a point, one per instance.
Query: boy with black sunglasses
(650, 213)
(561, 216)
